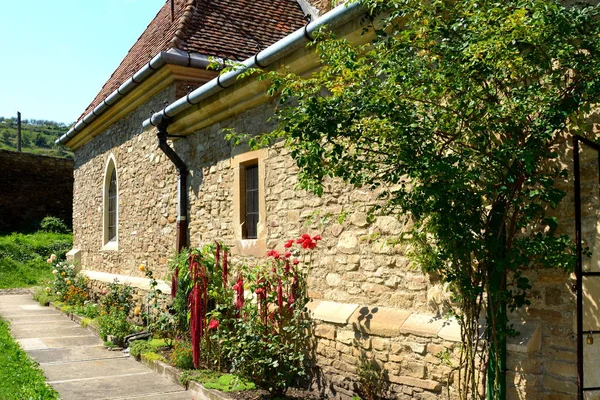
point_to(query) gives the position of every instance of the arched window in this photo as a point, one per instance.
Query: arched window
(111, 205)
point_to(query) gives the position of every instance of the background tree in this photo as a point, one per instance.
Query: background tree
(458, 110)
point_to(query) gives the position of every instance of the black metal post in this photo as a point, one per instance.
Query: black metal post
(18, 131)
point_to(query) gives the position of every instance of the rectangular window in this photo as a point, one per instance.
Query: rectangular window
(250, 202)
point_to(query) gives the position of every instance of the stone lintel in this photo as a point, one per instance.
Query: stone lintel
(529, 339)
(137, 282)
(422, 325)
(379, 321)
(338, 313)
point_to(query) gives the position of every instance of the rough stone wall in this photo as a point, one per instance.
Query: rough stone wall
(147, 203)
(357, 264)
(33, 187)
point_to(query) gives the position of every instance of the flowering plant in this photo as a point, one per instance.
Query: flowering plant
(67, 285)
(268, 337)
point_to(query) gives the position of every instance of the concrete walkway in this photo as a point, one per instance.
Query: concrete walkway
(75, 362)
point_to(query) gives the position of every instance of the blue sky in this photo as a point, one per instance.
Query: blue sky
(57, 54)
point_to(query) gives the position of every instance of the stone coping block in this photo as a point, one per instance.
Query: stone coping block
(451, 331)
(134, 281)
(423, 325)
(379, 321)
(312, 305)
(529, 340)
(338, 313)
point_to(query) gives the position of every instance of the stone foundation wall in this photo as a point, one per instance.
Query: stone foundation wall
(33, 187)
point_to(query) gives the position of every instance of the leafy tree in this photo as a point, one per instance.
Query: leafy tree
(457, 113)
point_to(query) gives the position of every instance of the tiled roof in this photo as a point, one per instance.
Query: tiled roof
(237, 29)
(232, 29)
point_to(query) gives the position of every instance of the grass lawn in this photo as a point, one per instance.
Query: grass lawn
(19, 376)
(23, 257)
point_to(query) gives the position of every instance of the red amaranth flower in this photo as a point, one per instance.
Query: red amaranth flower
(239, 293)
(273, 253)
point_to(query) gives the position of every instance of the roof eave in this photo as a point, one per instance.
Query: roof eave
(170, 57)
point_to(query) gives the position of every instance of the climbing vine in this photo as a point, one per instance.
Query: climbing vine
(456, 113)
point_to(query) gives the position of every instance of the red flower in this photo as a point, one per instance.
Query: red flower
(289, 243)
(317, 237)
(296, 261)
(213, 324)
(274, 254)
(260, 291)
(305, 236)
(239, 293)
(287, 254)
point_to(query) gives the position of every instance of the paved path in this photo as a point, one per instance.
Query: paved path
(75, 362)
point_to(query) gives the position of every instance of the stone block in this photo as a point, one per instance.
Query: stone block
(422, 325)
(379, 321)
(418, 348)
(559, 386)
(416, 382)
(450, 331)
(325, 331)
(74, 257)
(561, 369)
(529, 339)
(380, 344)
(413, 369)
(348, 243)
(338, 313)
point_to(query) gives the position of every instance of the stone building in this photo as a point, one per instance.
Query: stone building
(136, 202)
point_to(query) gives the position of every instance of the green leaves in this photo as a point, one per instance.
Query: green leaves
(462, 106)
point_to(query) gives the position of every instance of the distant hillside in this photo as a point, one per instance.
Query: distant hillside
(38, 136)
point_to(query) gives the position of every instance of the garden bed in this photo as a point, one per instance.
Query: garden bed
(174, 374)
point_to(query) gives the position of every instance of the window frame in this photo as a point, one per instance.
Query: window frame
(108, 242)
(239, 163)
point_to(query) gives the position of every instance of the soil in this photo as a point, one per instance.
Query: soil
(259, 394)
(290, 394)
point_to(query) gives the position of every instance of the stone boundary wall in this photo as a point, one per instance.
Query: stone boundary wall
(33, 187)
(417, 352)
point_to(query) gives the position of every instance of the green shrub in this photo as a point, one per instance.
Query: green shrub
(117, 297)
(89, 310)
(152, 356)
(114, 324)
(23, 258)
(214, 380)
(181, 357)
(43, 296)
(140, 347)
(54, 225)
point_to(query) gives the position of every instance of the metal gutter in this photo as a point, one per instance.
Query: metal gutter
(172, 56)
(333, 19)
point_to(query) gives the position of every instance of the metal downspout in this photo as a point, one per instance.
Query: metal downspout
(182, 220)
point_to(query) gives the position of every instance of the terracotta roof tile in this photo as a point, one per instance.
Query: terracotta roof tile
(232, 29)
